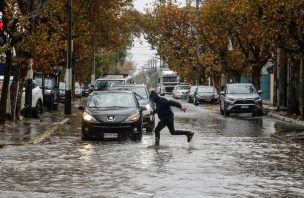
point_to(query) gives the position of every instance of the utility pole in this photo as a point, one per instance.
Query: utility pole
(68, 73)
(93, 77)
(197, 46)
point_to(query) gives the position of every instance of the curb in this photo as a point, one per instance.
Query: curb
(283, 118)
(39, 138)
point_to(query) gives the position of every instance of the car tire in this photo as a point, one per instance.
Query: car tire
(55, 107)
(84, 136)
(38, 110)
(150, 128)
(226, 112)
(221, 109)
(136, 137)
(195, 102)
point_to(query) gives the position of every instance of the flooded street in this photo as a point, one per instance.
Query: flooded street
(228, 157)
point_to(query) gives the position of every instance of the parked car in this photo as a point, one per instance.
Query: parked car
(142, 95)
(113, 114)
(180, 91)
(191, 94)
(78, 90)
(205, 94)
(37, 100)
(240, 98)
(51, 90)
(86, 90)
(61, 92)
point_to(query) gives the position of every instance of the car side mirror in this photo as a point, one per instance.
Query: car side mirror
(222, 93)
(143, 108)
(260, 91)
(81, 108)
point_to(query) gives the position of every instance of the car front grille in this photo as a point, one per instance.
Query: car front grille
(244, 102)
(169, 89)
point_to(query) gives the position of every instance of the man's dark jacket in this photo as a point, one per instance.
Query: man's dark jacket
(163, 109)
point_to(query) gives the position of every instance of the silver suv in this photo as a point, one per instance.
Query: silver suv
(240, 98)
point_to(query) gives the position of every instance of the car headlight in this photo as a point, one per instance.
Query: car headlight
(258, 99)
(134, 117)
(149, 108)
(48, 92)
(230, 99)
(216, 96)
(88, 117)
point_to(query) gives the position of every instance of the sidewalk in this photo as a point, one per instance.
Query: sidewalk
(272, 112)
(292, 136)
(30, 131)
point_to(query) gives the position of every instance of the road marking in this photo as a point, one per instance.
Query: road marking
(39, 138)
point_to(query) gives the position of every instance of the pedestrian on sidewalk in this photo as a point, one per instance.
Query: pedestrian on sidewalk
(166, 116)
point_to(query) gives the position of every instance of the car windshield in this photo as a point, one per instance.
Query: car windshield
(193, 88)
(104, 100)
(183, 87)
(169, 79)
(48, 82)
(104, 84)
(205, 89)
(62, 86)
(140, 92)
(241, 89)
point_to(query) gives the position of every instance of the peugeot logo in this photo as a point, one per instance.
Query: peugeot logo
(111, 118)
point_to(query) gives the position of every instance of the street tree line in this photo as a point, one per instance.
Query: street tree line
(37, 31)
(234, 38)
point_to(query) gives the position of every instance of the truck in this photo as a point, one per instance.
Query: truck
(167, 79)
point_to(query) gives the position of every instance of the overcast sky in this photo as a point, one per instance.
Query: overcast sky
(141, 52)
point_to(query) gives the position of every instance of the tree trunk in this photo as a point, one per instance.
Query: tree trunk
(292, 98)
(256, 76)
(301, 97)
(5, 88)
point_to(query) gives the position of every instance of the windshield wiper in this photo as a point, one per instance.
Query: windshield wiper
(139, 95)
(115, 107)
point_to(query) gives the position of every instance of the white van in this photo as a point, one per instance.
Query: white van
(108, 80)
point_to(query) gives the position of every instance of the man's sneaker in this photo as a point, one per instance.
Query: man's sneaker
(189, 136)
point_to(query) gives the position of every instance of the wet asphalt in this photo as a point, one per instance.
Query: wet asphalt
(232, 156)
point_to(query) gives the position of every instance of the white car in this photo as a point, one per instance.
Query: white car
(78, 90)
(37, 100)
(180, 90)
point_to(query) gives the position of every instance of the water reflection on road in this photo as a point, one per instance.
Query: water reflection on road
(229, 157)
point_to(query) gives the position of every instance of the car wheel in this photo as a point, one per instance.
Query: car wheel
(150, 128)
(84, 136)
(195, 102)
(38, 110)
(55, 107)
(226, 112)
(136, 137)
(221, 110)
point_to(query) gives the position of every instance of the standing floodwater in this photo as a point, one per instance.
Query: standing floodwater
(228, 157)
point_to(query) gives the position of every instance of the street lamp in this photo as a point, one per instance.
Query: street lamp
(68, 74)
(197, 47)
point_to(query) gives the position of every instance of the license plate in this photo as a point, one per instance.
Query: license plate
(245, 107)
(208, 100)
(110, 135)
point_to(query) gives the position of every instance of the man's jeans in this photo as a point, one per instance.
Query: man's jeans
(169, 122)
